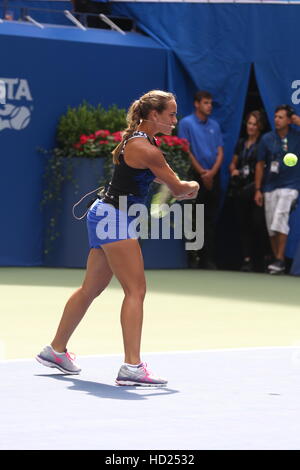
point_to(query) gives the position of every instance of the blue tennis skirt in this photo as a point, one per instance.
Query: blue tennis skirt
(106, 224)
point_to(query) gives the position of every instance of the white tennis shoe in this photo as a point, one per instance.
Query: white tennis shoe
(62, 361)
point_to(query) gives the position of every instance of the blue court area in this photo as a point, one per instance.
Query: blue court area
(215, 399)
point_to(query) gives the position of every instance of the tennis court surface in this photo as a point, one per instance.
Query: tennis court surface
(216, 399)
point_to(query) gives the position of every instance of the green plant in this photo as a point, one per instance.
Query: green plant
(85, 120)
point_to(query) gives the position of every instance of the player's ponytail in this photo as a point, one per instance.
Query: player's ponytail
(133, 120)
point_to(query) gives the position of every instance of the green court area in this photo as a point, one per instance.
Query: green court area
(184, 310)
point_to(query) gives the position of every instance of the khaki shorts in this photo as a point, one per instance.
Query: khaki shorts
(278, 205)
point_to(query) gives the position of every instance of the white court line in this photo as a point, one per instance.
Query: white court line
(192, 351)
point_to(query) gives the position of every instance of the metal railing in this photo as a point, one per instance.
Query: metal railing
(79, 19)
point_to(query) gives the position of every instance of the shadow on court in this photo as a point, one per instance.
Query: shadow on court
(100, 390)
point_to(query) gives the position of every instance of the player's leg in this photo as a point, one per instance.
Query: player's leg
(126, 262)
(98, 276)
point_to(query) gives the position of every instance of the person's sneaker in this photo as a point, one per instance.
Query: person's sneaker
(278, 266)
(209, 264)
(62, 361)
(193, 261)
(247, 266)
(139, 376)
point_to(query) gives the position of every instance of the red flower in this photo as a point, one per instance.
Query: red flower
(176, 140)
(173, 141)
(117, 136)
(185, 145)
(168, 140)
(77, 146)
(83, 139)
(102, 133)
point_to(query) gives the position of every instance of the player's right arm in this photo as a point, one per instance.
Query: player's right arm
(155, 161)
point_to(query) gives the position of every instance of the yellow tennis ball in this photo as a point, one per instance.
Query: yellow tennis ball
(290, 159)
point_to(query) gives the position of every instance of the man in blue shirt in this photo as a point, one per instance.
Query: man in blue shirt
(206, 154)
(277, 185)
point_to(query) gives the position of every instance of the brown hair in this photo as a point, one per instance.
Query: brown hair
(287, 108)
(139, 109)
(260, 119)
(202, 94)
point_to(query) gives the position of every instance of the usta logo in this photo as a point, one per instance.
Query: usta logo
(14, 116)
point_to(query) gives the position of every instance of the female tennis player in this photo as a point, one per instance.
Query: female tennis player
(138, 162)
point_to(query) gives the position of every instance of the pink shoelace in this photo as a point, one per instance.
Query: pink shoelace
(147, 371)
(70, 356)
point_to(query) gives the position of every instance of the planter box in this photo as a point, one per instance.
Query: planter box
(164, 254)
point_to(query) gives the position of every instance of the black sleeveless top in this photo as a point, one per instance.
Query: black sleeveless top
(128, 181)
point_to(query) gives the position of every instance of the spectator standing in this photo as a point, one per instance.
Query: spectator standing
(206, 153)
(250, 216)
(277, 185)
